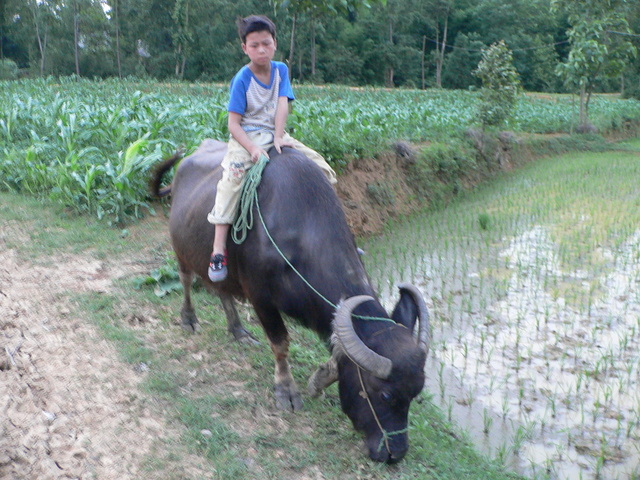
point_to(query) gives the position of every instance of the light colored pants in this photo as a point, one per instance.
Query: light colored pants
(235, 164)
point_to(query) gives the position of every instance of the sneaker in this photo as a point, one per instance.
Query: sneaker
(218, 267)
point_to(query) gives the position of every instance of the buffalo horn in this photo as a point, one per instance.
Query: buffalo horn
(424, 330)
(352, 345)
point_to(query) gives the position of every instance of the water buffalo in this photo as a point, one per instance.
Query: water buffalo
(303, 262)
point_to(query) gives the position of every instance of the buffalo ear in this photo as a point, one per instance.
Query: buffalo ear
(406, 311)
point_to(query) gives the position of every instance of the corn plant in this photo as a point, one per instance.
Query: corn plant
(66, 139)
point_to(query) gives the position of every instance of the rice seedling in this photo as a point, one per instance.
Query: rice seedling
(540, 302)
(487, 421)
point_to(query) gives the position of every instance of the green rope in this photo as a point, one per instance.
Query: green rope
(386, 436)
(275, 245)
(244, 223)
(273, 242)
(384, 441)
(248, 196)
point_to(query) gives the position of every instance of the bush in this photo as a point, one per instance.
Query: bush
(500, 85)
(381, 194)
(8, 69)
(632, 85)
(440, 170)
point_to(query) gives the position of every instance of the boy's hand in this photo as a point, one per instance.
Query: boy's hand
(256, 153)
(280, 142)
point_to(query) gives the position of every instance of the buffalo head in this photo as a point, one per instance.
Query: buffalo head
(379, 366)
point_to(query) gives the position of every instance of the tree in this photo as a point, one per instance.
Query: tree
(91, 39)
(394, 42)
(631, 77)
(309, 9)
(3, 22)
(125, 20)
(527, 26)
(458, 69)
(183, 37)
(314, 10)
(389, 25)
(599, 47)
(76, 35)
(11, 36)
(500, 85)
(42, 16)
(296, 9)
(116, 21)
(440, 11)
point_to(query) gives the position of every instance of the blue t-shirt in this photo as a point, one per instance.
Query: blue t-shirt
(257, 102)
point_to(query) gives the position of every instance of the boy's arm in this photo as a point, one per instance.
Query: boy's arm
(282, 112)
(236, 131)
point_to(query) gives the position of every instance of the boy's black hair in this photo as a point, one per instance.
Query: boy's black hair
(255, 23)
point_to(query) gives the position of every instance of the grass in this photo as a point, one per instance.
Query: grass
(217, 392)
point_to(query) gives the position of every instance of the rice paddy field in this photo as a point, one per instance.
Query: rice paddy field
(533, 285)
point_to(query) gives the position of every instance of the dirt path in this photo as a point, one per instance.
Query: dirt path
(68, 407)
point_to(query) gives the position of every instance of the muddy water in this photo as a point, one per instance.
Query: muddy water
(539, 364)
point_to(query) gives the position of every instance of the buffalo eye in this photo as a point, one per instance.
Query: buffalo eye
(386, 396)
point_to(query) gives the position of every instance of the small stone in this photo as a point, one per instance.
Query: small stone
(141, 367)
(50, 416)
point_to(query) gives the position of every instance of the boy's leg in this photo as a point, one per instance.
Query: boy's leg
(220, 238)
(234, 165)
(314, 156)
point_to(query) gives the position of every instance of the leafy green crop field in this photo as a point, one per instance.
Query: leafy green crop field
(88, 145)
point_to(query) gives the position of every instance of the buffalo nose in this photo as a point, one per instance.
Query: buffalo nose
(396, 457)
(384, 456)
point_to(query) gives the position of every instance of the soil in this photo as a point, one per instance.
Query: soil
(69, 407)
(375, 190)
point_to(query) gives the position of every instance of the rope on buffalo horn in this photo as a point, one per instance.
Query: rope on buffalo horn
(351, 343)
(424, 330)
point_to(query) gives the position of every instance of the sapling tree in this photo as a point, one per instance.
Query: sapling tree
(182, 36)
(500, 85)
(600, 45)
(42, 16)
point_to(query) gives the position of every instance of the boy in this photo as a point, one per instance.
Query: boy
(258, 109)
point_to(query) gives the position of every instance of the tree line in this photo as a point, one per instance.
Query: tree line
(392, 43)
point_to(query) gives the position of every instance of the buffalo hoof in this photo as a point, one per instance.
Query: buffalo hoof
(190, 327)
(288, 398)
(243, 336)
(189, 321)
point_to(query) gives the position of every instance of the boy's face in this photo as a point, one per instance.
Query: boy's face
(260, 47)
